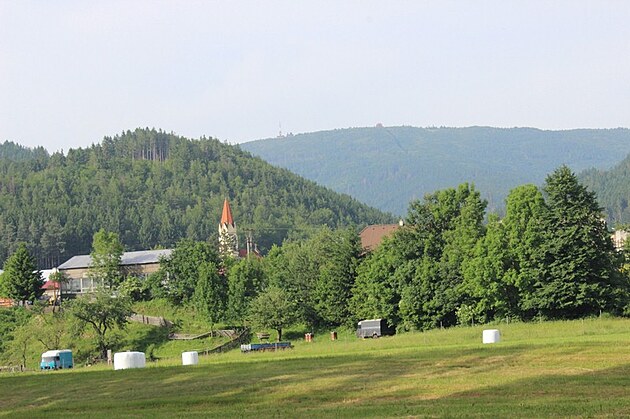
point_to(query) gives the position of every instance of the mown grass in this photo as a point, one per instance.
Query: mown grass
(579, 368)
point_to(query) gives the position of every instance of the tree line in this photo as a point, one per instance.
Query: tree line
(549, 257)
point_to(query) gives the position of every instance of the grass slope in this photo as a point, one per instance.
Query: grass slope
(579, 368)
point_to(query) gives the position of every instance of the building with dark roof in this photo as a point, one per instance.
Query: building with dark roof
(140, 264)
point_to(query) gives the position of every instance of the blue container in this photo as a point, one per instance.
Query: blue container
(56, 360)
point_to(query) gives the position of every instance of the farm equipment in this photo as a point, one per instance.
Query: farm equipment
(256, 347)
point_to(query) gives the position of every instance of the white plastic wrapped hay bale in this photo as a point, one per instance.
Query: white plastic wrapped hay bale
(190, 358)
(491, 336)
(127, 360)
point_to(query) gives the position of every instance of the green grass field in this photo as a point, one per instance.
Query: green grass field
(574, 369)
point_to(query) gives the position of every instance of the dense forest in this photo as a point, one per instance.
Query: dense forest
(154, 188)
(387, 167)
(613, 190)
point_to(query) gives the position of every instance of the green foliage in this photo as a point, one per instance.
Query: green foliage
(272, 309)
(134, 288)
(552, 259)
(245, 280)
(376, 292)
(155, 189)
(490, 295)
(337, 253)
(51, 330)
(102, 312)
(21, 280)
(106, 255)
(439, 236)
(612, 188)
(11, 319)
(524, 226)
(210, 292)
(318, 274)
(580, 273)
(179, 274)
(15, 152)
(293, 267)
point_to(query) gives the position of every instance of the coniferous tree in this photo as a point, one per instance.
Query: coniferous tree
(21, 280)
(580, 274)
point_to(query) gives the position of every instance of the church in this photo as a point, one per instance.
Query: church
(228, 237)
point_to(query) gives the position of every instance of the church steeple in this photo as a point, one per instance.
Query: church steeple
(226, 216)
(228, 239)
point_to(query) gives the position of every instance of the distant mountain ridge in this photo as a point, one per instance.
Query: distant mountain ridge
(612, 188)
(387, 167)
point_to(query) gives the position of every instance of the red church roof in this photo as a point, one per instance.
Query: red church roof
(226, 217)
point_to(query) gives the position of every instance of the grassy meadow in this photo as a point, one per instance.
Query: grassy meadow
(578, 368)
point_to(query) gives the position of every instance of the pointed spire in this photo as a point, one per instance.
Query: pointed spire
(226, 217)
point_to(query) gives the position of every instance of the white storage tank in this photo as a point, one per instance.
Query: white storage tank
(190, 358)
(491, 336)
(126, 360)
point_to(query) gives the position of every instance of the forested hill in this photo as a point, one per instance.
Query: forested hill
(16, 152)
(613, 190)
(386, 167)
(155, 188)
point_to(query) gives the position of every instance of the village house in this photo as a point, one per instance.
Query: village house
(140, 264)
(372, 235)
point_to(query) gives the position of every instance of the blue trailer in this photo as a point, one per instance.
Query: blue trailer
(56, 360)
(254, 347)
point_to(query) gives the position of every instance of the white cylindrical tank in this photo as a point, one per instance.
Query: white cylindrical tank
(190, 358)
(491, 336)
(126, 360)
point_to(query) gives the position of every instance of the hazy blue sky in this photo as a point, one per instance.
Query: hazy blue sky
(72, 72)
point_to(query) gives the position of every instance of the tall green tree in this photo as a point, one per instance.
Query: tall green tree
(179, 274)
(525, 234)
(106, 256)
(375, 293)
(488, 292)
(245, 280)
(580, 275)
(337, 253)
(21, 280)
(294, 269)
(439, 235)
(210, 293)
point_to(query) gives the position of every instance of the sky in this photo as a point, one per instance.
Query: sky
(72, 72)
